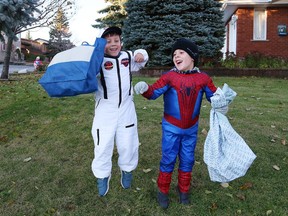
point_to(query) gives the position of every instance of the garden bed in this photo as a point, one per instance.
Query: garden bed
(237, 72)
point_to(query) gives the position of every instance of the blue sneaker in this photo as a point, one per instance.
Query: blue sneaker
(103, 185)
(126, 179)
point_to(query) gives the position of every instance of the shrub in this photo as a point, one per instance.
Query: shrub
(254, 60)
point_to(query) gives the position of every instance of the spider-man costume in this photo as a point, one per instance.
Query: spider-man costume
(183, 94)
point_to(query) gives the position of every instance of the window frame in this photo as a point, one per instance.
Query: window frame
(260, 24)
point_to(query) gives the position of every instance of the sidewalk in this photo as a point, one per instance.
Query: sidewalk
(19, 68)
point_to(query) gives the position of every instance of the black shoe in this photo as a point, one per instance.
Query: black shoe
(183, 197)
(163, 200)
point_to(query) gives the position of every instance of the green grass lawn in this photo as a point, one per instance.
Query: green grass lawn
(46, 149)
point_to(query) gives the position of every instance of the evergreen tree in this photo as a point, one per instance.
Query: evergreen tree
(59, 34)
(155, 25)
(115, 14)
(14, 14)
(18, 16)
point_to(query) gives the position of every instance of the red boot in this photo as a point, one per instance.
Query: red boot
(184, 180)
(164, 180)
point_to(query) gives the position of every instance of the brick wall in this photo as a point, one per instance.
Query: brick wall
(275, 45)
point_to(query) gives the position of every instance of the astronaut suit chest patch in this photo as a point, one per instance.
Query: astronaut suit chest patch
(108, 65)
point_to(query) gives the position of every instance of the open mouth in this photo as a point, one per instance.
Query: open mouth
(178, 62)
(113, 49)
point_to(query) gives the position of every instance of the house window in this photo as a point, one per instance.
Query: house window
(260, 24)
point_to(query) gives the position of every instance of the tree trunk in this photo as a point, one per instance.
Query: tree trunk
(5, 71)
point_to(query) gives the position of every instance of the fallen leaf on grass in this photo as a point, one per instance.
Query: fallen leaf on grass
(3, 138)
(51, 210)
(273, 140)
(70, 207)
(208, 192)
(27, 159)
(276, 136)
(213, 206)
(147, 170)
(11, 203)
(246, 186)
(276, 167)
(204, 131)
(268, 212)
(241, 196)
(140, 196)
(229, 195)
(273, 126)
(283, 142)
(224, 185)
(153, 180)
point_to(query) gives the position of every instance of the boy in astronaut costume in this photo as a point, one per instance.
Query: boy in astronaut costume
(183, 87)
(115, 117)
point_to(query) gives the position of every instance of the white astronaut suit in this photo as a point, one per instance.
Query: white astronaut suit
(115, 119)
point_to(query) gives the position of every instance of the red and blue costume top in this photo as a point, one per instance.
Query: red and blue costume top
(183, 94)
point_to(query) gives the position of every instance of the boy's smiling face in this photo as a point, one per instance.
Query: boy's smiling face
(182, 60)
(113, 45)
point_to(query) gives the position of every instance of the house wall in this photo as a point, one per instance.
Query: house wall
(33, 47)
(275, 45)
(16, 45)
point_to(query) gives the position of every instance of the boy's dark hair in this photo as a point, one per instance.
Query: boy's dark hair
(111, 30)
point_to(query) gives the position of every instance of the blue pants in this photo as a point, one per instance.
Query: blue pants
(178, 142)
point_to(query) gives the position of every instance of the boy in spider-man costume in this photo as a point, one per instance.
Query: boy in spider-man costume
(183, 88)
